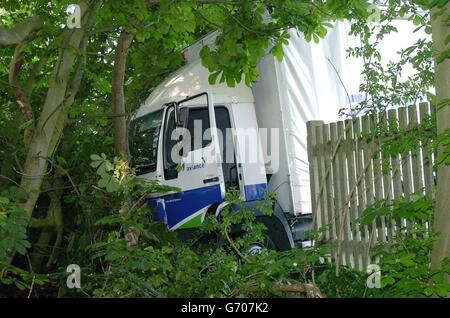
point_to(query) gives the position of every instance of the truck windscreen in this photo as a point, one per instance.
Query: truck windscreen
(144, 136)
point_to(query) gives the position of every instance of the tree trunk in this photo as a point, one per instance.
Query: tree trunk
(54, 213)
(118, 96)
(441, 30)
(37, 157)
(42, 248)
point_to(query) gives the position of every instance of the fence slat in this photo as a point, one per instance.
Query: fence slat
(362, 204)
(395, 161)
(368, 180)
(314, 167)
(415, 154)
(338, 190)
(352, 192)
(425, 111)
(378, 178)
(405, 160)
(405, 157)
(388, 193)
(329, 181)
(344, 210)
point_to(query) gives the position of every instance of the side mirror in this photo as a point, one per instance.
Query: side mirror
(183, 117)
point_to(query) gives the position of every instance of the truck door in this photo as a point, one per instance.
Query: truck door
(191, 162)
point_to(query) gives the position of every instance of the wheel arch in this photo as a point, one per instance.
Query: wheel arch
(277, 225)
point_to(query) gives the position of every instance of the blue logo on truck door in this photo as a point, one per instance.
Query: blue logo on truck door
(195, 167)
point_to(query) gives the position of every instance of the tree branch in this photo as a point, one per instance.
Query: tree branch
(21, 32)
(310, 290)
(20, 95)
(41, 223)
(35, 71)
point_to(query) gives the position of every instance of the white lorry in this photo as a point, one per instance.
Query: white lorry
(305, 86)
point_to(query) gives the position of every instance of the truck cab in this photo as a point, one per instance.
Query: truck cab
(218, 148)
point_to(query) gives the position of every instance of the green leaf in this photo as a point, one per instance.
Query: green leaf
(442, 56)
(140, 36)
(25, 243)
(316, 38)
(442, 290)
(4, 200)
(26, 124)
(277, 51)
(61, 161)
(103, 182)
(109, 220)
(308, 37)
(417, 20)
(112, 186)
(20, 248)
(407, 260)
(213, 77)
(96, 161)
(386, 281)
(101, 171)
(428, 291)
(230, 81)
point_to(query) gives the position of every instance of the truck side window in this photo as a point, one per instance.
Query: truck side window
(198, 124)
(227, 147)
(197, 117)
(144, 137)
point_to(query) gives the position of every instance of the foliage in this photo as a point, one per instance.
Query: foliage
(156, 264)
(125, 223)
(13, 233)
(349, 284)
(405, 261)
(249, 29)
(242, 225)
(384, 85)
(13, 224)
(23, 280)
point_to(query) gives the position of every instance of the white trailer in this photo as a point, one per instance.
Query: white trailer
(306, 85)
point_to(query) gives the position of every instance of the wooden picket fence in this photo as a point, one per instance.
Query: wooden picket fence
(347, 176)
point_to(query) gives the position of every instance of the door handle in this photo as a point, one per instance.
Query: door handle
(210, 180)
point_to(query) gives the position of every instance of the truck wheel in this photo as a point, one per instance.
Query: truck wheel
(257, 248)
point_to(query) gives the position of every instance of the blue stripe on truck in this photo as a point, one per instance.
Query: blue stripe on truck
(255, 191)
(174, 208)
(181, 205)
